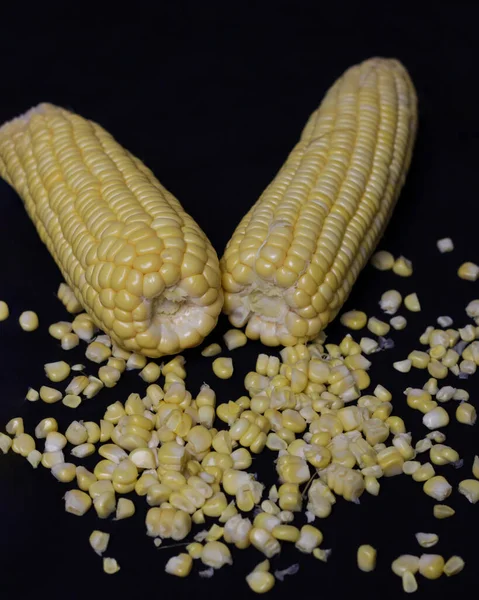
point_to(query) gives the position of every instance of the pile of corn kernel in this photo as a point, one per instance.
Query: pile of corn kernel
(308, 404)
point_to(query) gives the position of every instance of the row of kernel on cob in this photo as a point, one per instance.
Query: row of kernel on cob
(149, 278)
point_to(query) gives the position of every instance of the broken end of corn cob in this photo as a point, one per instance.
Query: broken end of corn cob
(295, 256)
(142, 268)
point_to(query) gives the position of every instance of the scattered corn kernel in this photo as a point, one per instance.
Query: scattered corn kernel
(223, 367)
(468, 271)
(366, 558)
(124, 509)
(454, 566)
(398, 323)
(211, 350)
(71, 401)
(470, 489)
(354, 319)
(466, 413)
(4, 310)
(443, 511)
(382, 260)
(403, 366)
(234, 338)
(431, 566)
(57, 371)
(50, 395)
(390, 302)
(180, 565)
(77, 502)
(411, 302)
(402, 267)
(438, 488)
(427, 540)
(379, 328)
(409, 582)
(99, 541)
(260, 582)
(28, 320)
(110, 566)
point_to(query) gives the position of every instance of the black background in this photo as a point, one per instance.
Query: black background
(212, 98)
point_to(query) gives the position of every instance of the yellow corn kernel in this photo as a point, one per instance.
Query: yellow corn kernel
(309, 539)
(366, 557)
(443, 455)
(50, 395)
(372, 485)
(105, 504)
(4, 311)
(438, 488)
(234, 338)
(99, 541)
(390, 302)
(216, 555)
(402, 267)
(437, 369)
(23, 444)
(15, 426)
(211, 350)
(419, 360)
(423, 473)
(77, 502)
(382, 260)
(409, 582)
(398, 323)
(405, 563)
(93, 387)
(28, 320)
(468, 488)
(435, 418)
(403, 366)
(466, 413)
(411, 302)
(223, 367)
(180, 565)
(84, 478)
(109, 376)
(5, 443)
(76, 433)
(396, 425)
(468, 271)
(454, 566)
(427, 540)
(260, 582)
(110, 566)
(379, 328)
(286, 533)
(97, 352)
(34, 458)
(431, 566)
(354, 319)
(443, 511)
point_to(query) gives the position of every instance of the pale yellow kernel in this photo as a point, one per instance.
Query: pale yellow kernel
(57, 371)
(50, 395)
(402, 267)
(223, 367)
(382, 260)
(468, 271)
(411, 302)
(378, 327)
(4, 310)
(354, 319)
(211, 350)
(366, 558)
(398, 323)
(28, 320)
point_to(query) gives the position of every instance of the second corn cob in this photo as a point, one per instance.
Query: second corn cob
(295, 256)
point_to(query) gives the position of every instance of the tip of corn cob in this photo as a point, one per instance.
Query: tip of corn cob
(295, 256)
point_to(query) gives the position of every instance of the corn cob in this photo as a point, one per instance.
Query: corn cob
(295, 256)
(140, 266)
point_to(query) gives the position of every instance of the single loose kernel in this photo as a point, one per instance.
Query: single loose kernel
(50, 395)
(398, 323)
(454, 566)
(419, 360)
(28, 320)
(216, 555)
(32, 395)
(70, 341)
(97, 352)
(71, 401)
(382, 260)
(23, 444)
(354, 319)
(390, 302)
(77, 502)
(4, 310)
(427, 540)
(475, 467)
(211, 350)
(45, 427)
(411, 302)
(57, 371)
(234, 338)
(151, 372)
(366, 558)
(443, 511)
(409, 582)
(34, 458)
(444, 321)
(110, 566)
(445, 245)
(403, 366)
(405, 562)
(438, 488)
(468, 271)
(436, 418)
(466, 413)
(431, 566)
(180, 565)
(5, 443)
(379, 328)
(260, 582)
(470, 489)
(124, 509)
(402, 267)
(368, 345)
(99, 541)
(223, 367)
